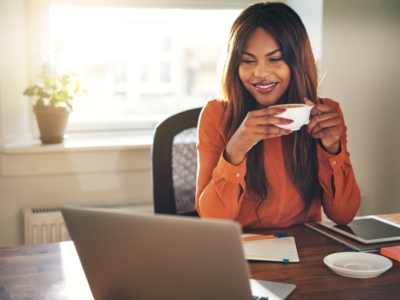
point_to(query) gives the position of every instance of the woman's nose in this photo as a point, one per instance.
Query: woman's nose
(262, 70)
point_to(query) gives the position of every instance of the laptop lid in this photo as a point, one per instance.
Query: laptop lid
(128, 256)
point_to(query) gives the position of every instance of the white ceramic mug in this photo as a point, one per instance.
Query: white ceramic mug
(299, 113)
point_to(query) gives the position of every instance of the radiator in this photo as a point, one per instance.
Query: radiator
(46, 225)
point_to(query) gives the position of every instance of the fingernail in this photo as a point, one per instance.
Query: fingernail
(305, 99)
(307, 130)
(288, 131)
(289, 121)
(313, 136)
(282, 109)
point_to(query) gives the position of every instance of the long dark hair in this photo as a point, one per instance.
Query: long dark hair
(286, 27)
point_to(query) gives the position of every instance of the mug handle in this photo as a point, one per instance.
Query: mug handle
(309, 112)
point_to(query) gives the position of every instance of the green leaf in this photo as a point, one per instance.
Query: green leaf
(30, 91)
(69, 105)
(77, 86)
(57, 97)
(55, 102)
(43, 94)
(71, 74)
(64, 80)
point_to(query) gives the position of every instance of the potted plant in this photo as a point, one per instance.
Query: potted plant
(55, 92)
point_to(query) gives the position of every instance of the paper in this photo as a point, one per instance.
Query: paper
(278, 249)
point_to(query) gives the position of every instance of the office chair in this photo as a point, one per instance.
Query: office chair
(174, 164)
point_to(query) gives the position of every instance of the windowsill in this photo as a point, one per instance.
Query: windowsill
(102, 152)
(78, 142)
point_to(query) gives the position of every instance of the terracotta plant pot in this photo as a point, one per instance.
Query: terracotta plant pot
(52, 122)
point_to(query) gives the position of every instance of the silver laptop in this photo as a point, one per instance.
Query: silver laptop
(143, 256)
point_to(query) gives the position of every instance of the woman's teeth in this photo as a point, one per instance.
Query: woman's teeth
(265, 86)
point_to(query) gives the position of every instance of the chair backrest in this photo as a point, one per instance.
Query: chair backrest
(174, 164)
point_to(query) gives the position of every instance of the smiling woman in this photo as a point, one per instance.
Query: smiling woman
(252, 171)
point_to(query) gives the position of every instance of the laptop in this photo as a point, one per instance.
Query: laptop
(144, 256)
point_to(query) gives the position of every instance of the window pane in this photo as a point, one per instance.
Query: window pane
(141, 64)
(144, 72)
(165, 72)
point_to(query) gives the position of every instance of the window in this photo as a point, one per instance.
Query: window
(140, 65)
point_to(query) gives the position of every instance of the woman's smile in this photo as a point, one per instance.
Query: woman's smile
(265, 87)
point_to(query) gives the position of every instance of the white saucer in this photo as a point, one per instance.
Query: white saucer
(357, 264)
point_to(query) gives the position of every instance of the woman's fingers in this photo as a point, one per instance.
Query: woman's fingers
(328, 123)
(266, 120)
(317, 119)
(328, 131)
(320, 109)
(308, 102)
(268, 130)
(270, 111)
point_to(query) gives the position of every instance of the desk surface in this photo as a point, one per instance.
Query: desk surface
(53, 271)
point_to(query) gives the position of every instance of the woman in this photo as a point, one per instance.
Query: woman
(252, 171)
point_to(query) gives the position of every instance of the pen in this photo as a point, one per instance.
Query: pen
(264, 237)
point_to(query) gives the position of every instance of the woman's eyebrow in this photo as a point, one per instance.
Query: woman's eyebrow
(268, 54)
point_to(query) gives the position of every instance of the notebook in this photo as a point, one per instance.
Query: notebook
(279, 249)
(147, 257)
(392, 252)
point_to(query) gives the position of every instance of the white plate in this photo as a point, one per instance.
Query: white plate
(357, 264)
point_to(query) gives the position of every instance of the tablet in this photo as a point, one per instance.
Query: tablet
(367, 230)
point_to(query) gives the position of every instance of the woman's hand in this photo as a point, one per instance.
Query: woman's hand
(325, 125)
(258, 125)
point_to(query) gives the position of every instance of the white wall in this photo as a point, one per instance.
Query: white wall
(14, 111)
(310, 12)
(73, 189)
(361, 57)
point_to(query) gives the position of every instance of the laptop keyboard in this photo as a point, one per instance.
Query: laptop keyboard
(259, 298)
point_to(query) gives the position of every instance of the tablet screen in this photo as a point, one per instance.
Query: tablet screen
(370, 229)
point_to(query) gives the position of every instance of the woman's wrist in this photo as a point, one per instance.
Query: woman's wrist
(333, 149)
(233, 157)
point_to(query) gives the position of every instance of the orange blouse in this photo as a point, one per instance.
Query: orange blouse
(217, 180)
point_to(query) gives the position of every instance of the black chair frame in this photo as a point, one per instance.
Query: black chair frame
(161, 153)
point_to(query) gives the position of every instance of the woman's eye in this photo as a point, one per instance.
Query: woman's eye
(274, 60)
(248, 61)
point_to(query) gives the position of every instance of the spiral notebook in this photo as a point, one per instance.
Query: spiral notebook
(278, 249)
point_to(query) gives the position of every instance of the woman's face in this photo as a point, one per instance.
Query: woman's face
(263, 69)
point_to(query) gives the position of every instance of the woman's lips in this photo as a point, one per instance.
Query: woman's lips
(265, 87)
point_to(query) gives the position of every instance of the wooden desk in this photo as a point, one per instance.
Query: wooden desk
(53, 271)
